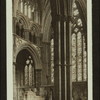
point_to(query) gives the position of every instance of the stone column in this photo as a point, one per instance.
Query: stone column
(57, 58)
(26, 34)
(62, 59)
(14, 25)
(45, 56)
(36, 16)
(69, 68)
(61, 23)
(68, 13)
(14, 82)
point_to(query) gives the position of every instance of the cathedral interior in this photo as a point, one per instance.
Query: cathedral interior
(50, 50)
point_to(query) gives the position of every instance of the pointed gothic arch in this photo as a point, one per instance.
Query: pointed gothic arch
(25, 20)
(34, 53)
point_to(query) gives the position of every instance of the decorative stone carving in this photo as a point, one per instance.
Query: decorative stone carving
(39, 51)
(18, 41)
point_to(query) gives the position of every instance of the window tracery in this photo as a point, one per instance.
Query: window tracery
(79, 53)
(52, 60)
(29, 72)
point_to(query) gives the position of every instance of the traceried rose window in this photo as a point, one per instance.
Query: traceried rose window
(79, 53)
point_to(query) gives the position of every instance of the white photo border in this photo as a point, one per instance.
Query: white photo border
(9, 42)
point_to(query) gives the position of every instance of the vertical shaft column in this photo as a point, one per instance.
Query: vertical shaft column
(66, 82)
(68, 6)
(62, 51)
(57, 60)
(65, 61)
(69, 69)
(61, 10)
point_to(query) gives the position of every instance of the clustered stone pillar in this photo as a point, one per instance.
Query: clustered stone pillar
(62, 70)
(57, 59)
(61, 23)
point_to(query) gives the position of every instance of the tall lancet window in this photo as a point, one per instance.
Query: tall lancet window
(22, 5)
(25, 9)
(29, 11)
(52, 60)
(29, 72)
(79, 52)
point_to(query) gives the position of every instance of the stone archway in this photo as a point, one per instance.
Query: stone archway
(25, 74)
(32, 50)
(21, 87)
(24, 19)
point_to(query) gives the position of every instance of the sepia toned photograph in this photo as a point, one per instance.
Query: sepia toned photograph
(50, 50)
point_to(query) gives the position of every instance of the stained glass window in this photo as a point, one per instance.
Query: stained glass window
(25, 9)
(74, 56)
(79, 53)
(26, 75)
(22, 6)
(29, 11)
(29, 72)
(79, 56)
(52, 60)
(84, 60)
(30, 75)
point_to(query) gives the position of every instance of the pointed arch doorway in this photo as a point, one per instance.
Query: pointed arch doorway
(25, 74)
(26, 71)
